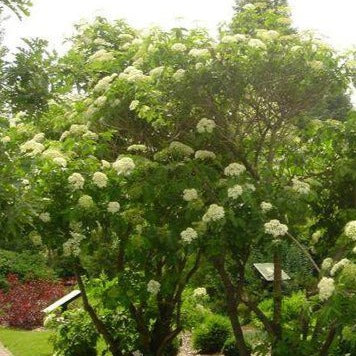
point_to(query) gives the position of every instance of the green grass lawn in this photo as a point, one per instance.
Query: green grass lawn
(32, 343)
(26, 343)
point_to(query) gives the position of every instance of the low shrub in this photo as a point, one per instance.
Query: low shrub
(21, 305)
(76, 335)
(230, 348)
(27, 265)
(210, 336)
(292, 307)
(194, 307)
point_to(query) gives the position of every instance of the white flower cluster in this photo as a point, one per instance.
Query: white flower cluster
(153, 287)
(275, 228)
(104, 83)
(234, 169)
(76, 180)
(296, 48)
(235, 191)
(300, 187)
(60, 161)
(138, 62)
(113, 207)
(78, 130)
(45, 217)
(52, 153)
(100, 179)
(100, 101)
(178, 75)
(72, 246)
(105, 164)
(214, 213)
(39, 137)
(133, 75)
(204, 155)
(206, 125)
(134, 104)
(32, 147)
(284, 20)
(86, 201)
(339, 266)
(156, 72)
(91, 135)
(249, 186)
(101, 42)
(190, 194)
(56, 156)
(199, 52)
(249, 6)
(199, 292)
(49, 320)
(82, 130)
(256, 43)
(180, 148)
(76, 226)
(326, 288)
(35, 238)
(267, 35)
(64, 135)
(101, 56)
(137, 148)
(316, 65)
(5, 139)
(316, 236)
(350, 230)
(229, 39)
(327, 264)
(125, 37)
(124, 166)
(179, 47)
(188, 235)
(266, 207)
(137, 41)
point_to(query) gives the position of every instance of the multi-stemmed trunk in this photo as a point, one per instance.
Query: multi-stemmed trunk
(232, 302)
(277, 293)
(113, 344)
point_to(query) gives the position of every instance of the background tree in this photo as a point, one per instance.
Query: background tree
(31, 79)
(19, 7)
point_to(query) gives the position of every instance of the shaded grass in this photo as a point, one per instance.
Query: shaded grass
(26, 343)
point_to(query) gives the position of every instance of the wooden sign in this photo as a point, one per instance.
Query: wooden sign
(267, 271)
(63, 302)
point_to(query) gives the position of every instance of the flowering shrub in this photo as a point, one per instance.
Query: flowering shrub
(182, 148)
(22, 305)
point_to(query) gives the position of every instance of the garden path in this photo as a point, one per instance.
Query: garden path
(4, 351)
(186, 347)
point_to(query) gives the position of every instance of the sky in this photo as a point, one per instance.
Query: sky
(54, 19)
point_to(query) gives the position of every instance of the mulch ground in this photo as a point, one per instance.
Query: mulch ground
(186, 348)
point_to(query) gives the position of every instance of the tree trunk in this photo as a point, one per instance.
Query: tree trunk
(329, 339)
(114, 346)
(268, 324)
(143, 332)
(232, 303)
(277, 293)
